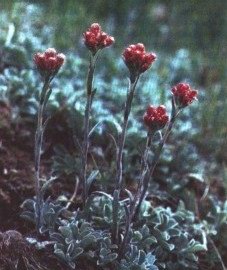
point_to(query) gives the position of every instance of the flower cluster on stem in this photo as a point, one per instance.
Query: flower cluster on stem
(137, 59)
(95, 39)
(184, 94)
(155, 118)
(48, 64)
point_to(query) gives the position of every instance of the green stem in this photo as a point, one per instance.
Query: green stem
(38, 151)
(118, 187)
(157, 155)
(90, 77)
(144, 168)
(127, 111)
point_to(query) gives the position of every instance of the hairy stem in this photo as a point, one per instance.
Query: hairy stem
(118, 187)
(85, 146)
(157, 155)
(71, 200)
(38, 151)
(127, 111)
(144, 168)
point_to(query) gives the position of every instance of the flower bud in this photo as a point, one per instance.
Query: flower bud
(183, 94)
(137, 59)
(95, 39)
(49, 62)
(155, 118)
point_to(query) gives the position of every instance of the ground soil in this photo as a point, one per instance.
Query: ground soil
(16, 184)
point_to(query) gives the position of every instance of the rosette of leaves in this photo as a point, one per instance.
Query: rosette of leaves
(215, 223)
(107, 252)
(78, 240)
(100, 210)
(74, 240)
(217, 214)
(143, 238)
(174, 240)
(137, 259)
(64, 162)
(50, 214)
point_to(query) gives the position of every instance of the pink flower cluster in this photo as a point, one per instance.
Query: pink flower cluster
(49, 62)
(137, 59)
(183, 94)
(95, 39)
(156, 118)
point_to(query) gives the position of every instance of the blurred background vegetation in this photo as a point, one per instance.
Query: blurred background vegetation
(188, 36)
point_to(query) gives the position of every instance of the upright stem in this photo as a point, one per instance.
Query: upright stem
(144, 168)
(38, 151)
(118, 186)
(124, 129)
(90, 77)
(157, 156)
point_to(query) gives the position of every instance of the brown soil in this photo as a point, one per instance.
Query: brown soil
(16, 185)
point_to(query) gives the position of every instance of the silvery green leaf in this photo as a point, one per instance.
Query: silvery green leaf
(196, 176)
(108, 258)
(150, 240)
(92, 177)
(60, 254)
(145, 230)
(66, 232)
(31, 240)
(195, 246)
(28, 216)
(47, 184)
(59, 246)
(108, 211)
(137, 236)
(85, 227)
(28, 204)
(104, 194)
(103, 252)
(43, 244)
(174, 232)
(43, 229)
(70, 248)
(142, 257)
(77, 252)
(167, 246)
(88, 240)
(93, 129)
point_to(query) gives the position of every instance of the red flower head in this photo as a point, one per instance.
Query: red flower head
(183, 94)
(155, 118)
(137, 59)
(49, 62)
(95, 39)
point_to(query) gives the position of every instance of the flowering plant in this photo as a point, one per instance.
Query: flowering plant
(48, 65)
(115, 230)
